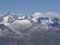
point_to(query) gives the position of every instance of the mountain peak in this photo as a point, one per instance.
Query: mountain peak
(9, 13)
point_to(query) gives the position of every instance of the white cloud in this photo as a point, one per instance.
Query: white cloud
(52, 14)
(37, 15)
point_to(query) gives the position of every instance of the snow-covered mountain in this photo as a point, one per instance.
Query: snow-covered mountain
(20, 23)
(36, 26)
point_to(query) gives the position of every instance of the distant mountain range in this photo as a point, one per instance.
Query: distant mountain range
(36, 29)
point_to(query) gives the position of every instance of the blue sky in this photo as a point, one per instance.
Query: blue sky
(28, 6)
